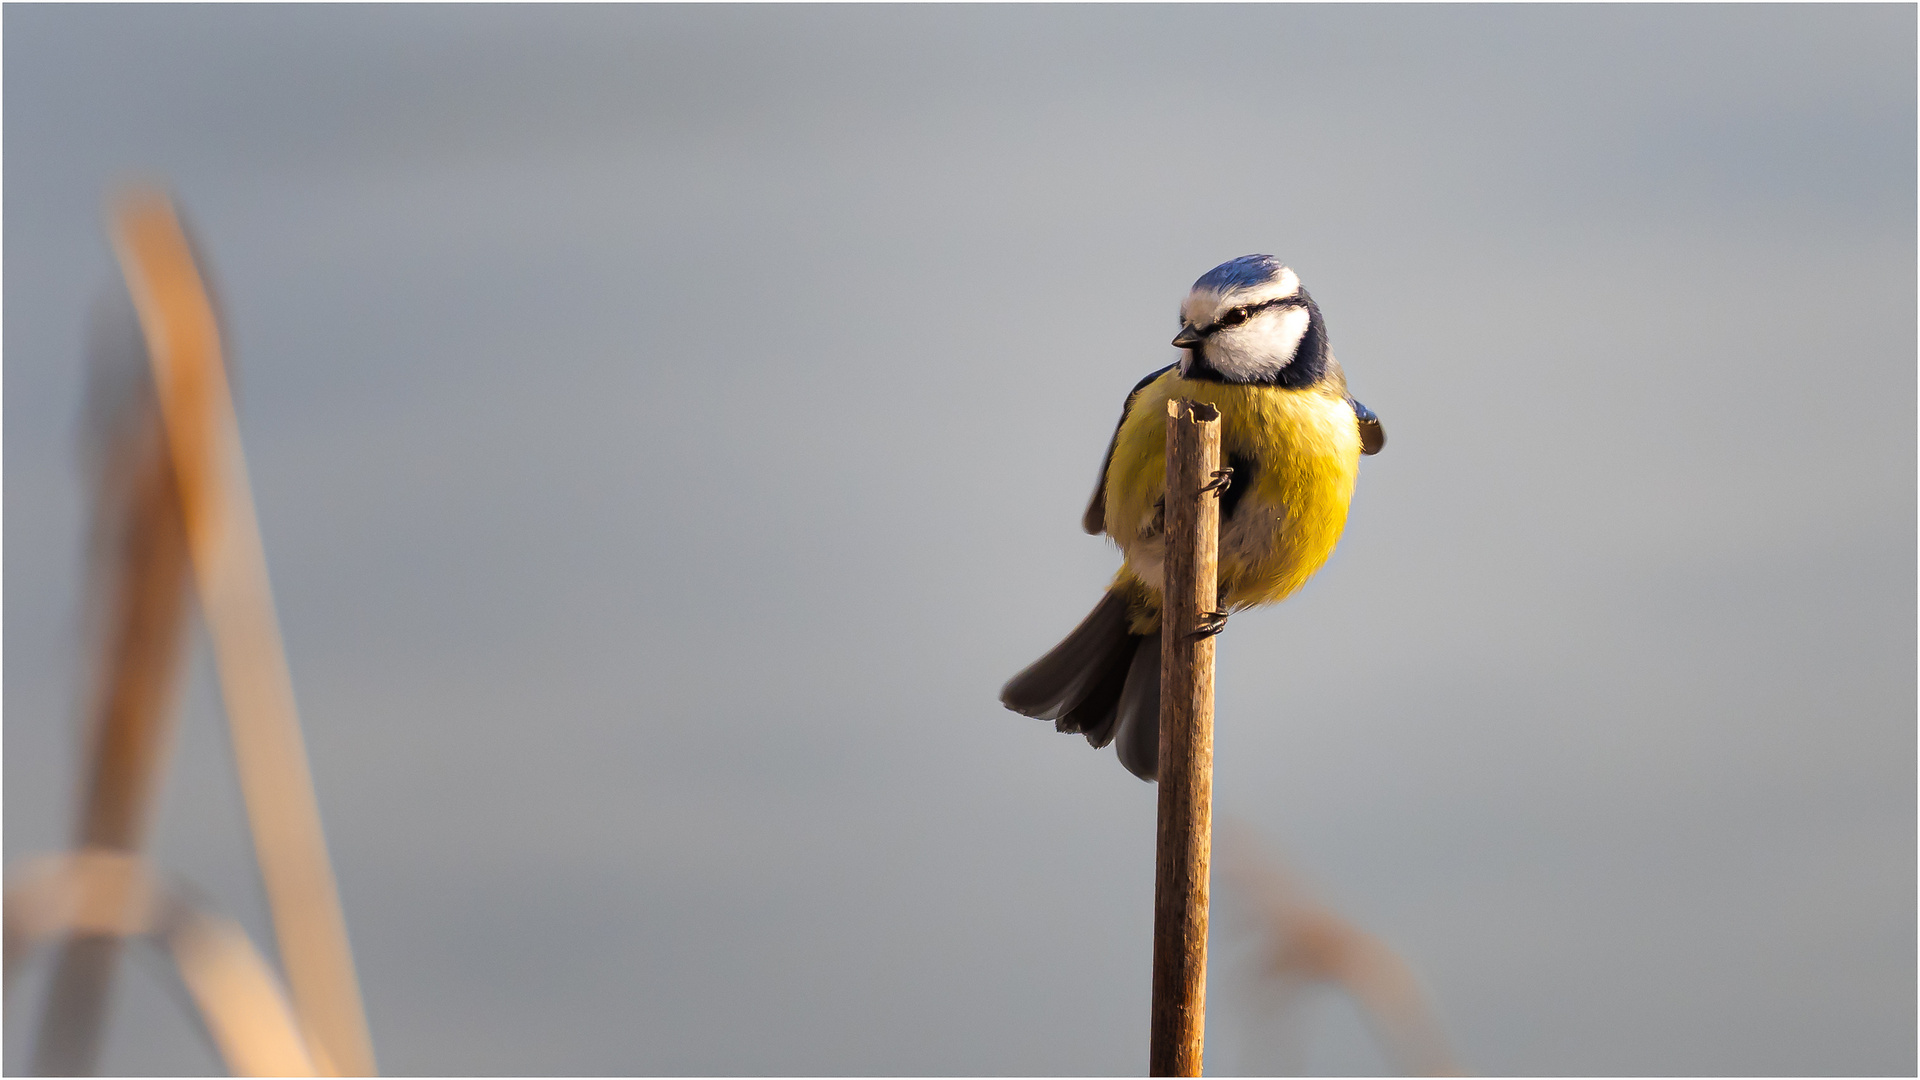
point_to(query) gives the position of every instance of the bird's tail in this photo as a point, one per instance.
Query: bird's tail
(1102, 681)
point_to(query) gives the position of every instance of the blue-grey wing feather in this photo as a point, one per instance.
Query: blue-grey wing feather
(1372, 435)
(1095, 519)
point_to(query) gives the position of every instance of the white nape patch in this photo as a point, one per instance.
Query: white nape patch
(1258, 347)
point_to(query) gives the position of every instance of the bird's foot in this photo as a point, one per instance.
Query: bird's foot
(1222, 480)
(1211, 623)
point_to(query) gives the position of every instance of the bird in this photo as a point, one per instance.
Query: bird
(1254, 346)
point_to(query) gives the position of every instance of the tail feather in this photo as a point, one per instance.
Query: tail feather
(1079, 681)
(1139, 712)
(1096, 713)
(1103, 679)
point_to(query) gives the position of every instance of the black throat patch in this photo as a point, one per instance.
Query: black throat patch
(1237, 487)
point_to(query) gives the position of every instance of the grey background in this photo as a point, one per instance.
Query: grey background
(669, 427)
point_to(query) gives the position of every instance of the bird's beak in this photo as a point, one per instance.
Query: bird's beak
(1189, 337)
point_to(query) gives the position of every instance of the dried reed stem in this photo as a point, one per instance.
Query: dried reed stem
(1310, 942)
(223, 536)
(1186, 742)
(140, 575)
(107, 895)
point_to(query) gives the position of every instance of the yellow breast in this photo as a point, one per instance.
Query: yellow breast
(1303, 447)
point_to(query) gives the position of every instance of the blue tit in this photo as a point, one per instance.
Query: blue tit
(1255, 347)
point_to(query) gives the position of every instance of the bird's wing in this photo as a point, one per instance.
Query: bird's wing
(1095, 519)
(1372, 435)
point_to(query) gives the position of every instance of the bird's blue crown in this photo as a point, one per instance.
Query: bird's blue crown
(1244, 272)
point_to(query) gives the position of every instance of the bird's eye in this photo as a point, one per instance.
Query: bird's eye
(1234, 318)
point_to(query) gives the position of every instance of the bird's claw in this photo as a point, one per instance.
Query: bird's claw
(1211, 623)
(1222, 480)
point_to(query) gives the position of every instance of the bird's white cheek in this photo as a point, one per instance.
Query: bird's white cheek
(1261, 347)
(1236, 357)
(1281, 335)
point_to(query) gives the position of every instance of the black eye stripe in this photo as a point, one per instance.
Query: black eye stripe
(1296, 300)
